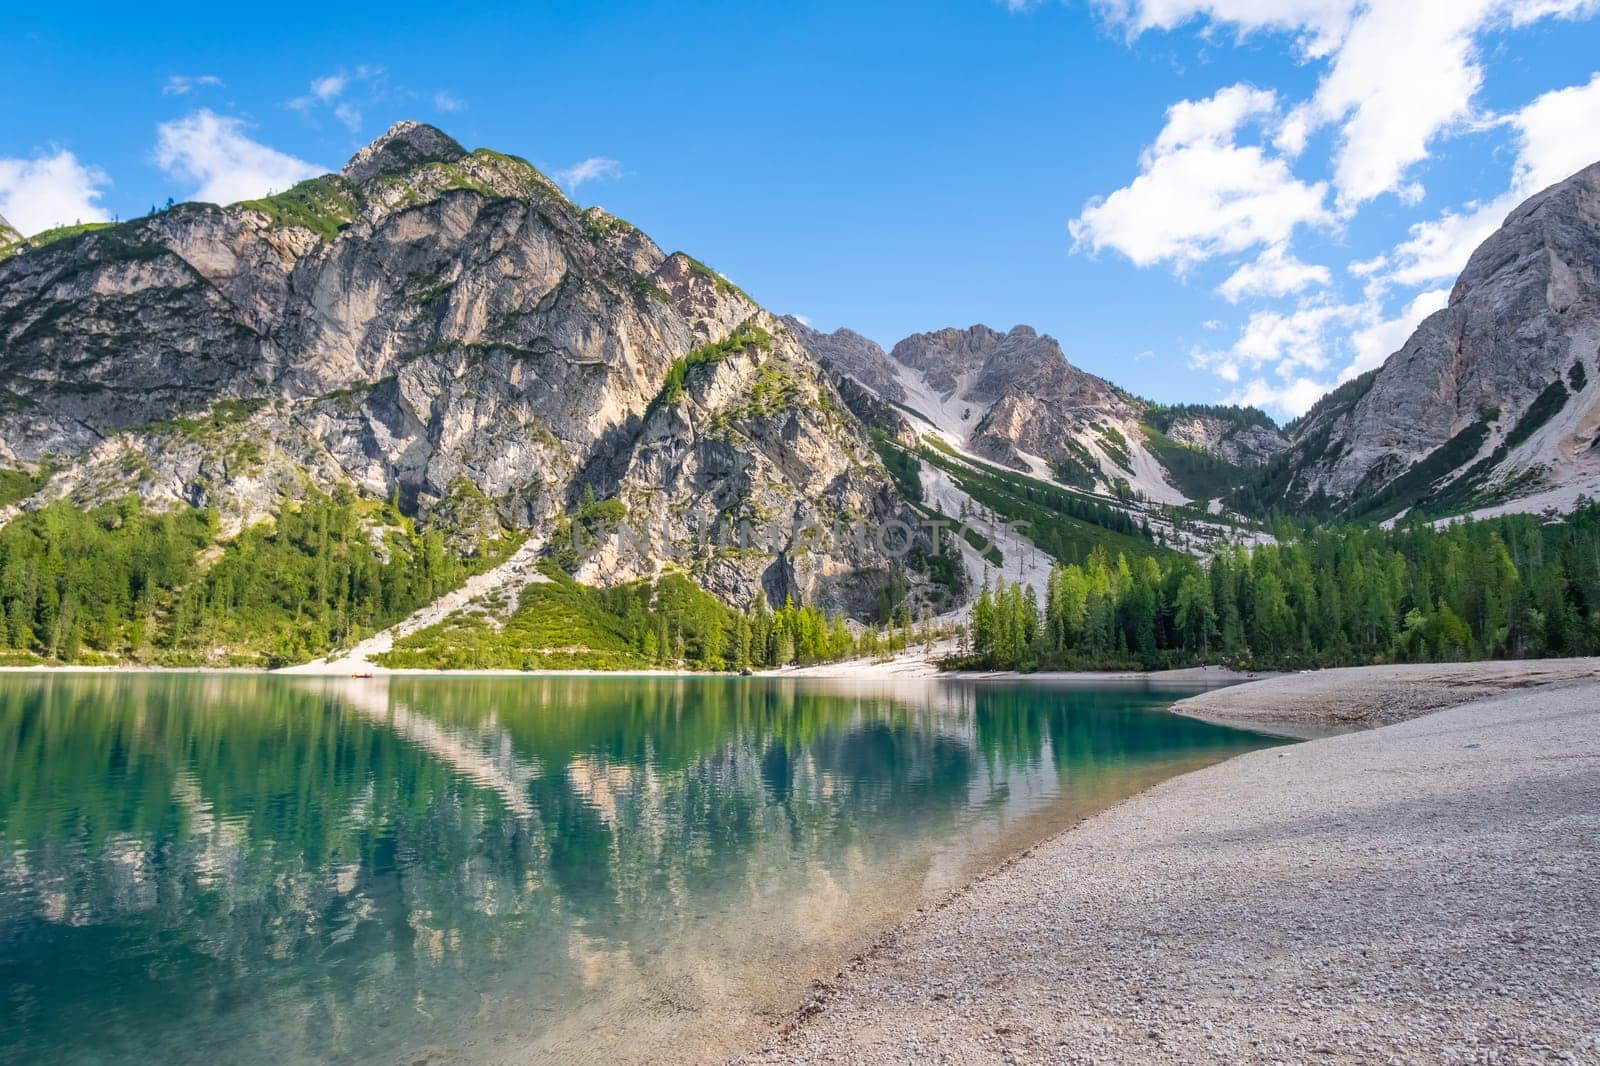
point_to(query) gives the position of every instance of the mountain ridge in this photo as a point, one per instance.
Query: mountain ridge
(436, 350)
(1013, 397)
(1491, 401)
(445, 328)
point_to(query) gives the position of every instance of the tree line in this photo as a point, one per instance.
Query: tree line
(118, 582)
(666, 623)
(1508, 587)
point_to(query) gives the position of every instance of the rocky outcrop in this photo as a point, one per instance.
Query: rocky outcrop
(404, 147)
(1494, 397)
(432, 322)
(760, 454)
(1243, 437)
(847, 352)
(1014, 398)
(8, 233)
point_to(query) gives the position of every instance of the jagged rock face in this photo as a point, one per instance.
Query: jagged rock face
(406, 145)
(426, 317)
(1523, 314)
(1241, 445)
(759, 446)
(848, 353)
(1039, 399)
(8, 233)
(1016, 400)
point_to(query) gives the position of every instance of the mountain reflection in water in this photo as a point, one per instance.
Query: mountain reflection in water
(234, 868)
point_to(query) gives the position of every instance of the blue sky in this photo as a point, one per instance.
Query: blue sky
(1201, 199)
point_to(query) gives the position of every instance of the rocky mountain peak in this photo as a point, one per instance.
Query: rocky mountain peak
(446, 330)
(1491, 401)
(8, 232)
(987, 360)
(1559, 222)
(403, 146)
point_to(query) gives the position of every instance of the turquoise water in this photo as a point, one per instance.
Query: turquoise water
(211, 868)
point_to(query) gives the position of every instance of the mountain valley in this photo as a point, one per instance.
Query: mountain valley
(487, 399)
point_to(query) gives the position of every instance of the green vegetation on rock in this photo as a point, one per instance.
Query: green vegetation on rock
(1065, 525)
(1198, 473)
(51, 236)
(904, 468)
(1162, 416)
(322, 205)
(220, 416)
(17, 485)
(1116, 446)
(724, 286)
(1078, 469)
(747, 335)
(1415, 484)
(671, 623)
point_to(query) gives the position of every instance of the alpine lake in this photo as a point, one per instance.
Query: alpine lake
(265, 869)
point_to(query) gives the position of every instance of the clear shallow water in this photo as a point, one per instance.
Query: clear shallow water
(252, 869)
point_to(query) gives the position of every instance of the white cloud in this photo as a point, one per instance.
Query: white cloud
(1319, 24)
(1393, 79)
(1200, 194)
(1302, 339)
(1214, 119)
(183, 84)
(1299, 346)
(1365, 268)
(50, 190)
(1400, 73)
(595, 168)
(1557, 135)
(1404, 72)
(1378, 340)
(447, 102)
(1440, 248)
(213, 153)
(1526, 11)
(332, 92)
(1292, 397)
(328, 87)
(1285, 357)
(1275, 272)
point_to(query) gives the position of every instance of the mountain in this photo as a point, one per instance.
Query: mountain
(431, 390)
(443, 329)
(1492, 401)
(8, 233)
(1015, 399)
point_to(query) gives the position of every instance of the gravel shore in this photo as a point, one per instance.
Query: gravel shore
(1424, 892)
(1309, 704)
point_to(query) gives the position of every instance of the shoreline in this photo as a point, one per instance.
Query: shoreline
(1305, 704)
(1318, 703)
(854, 670)
(1349, 696)
(1273, 906)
